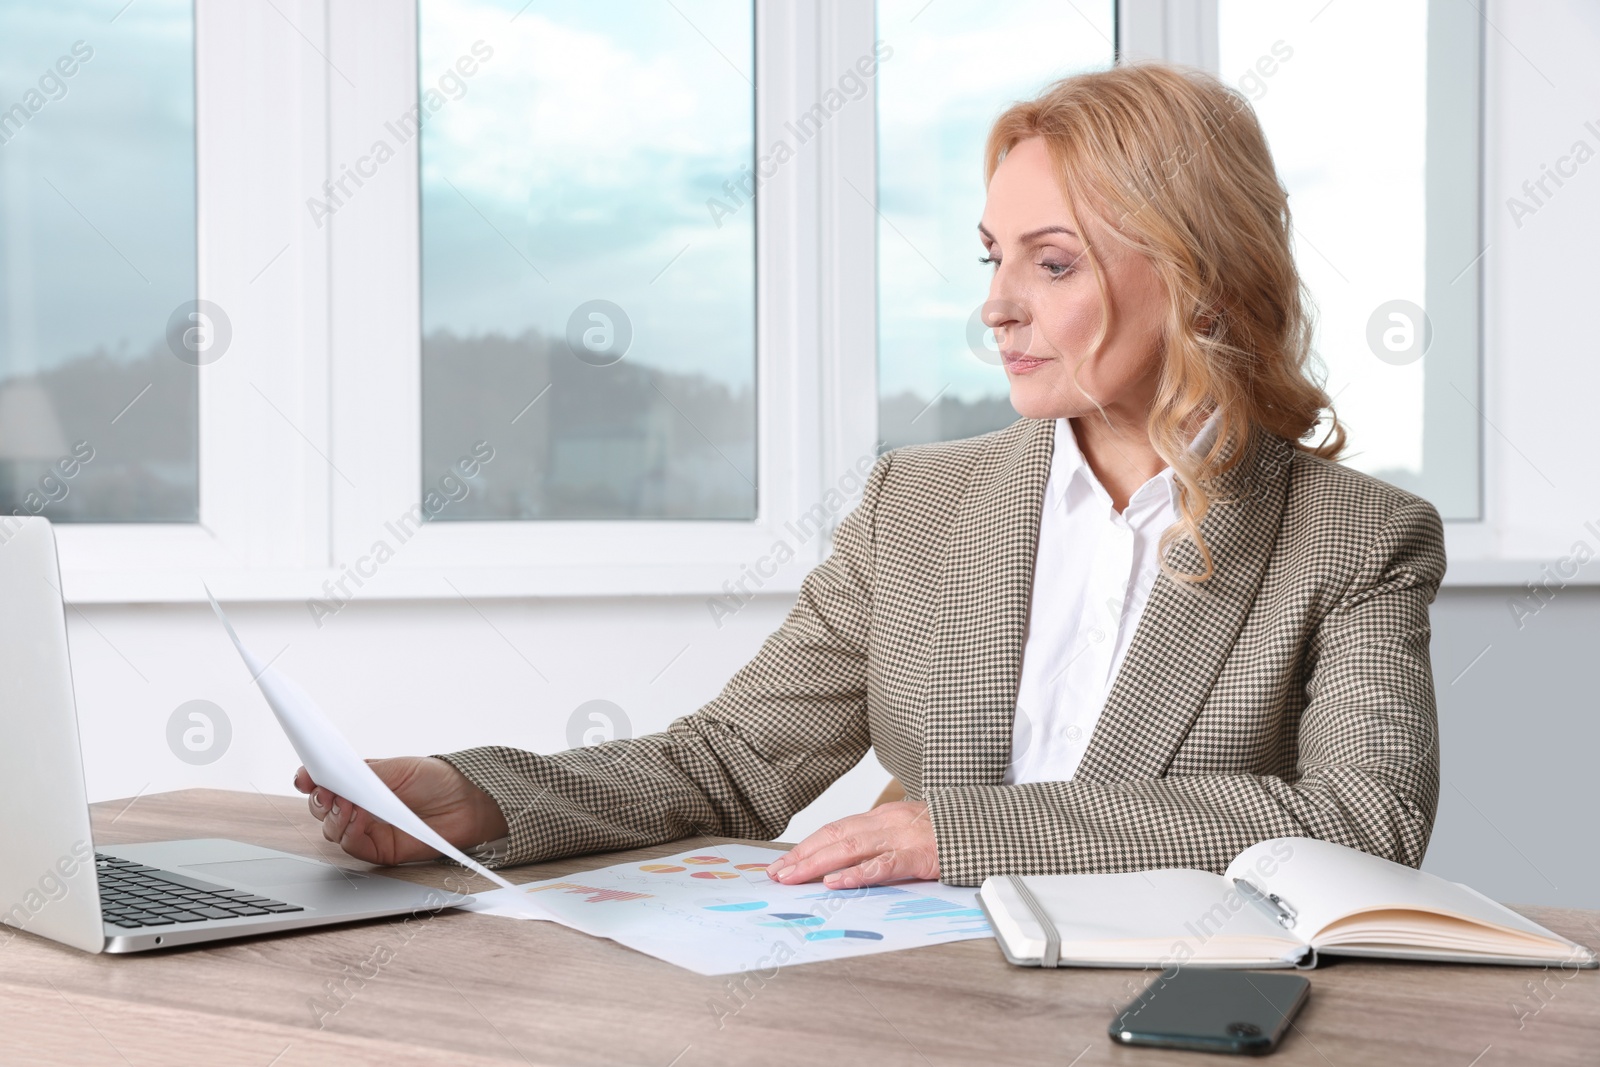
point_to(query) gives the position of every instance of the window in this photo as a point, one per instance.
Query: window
(588, 258)
(102, 336)
(957, 65)
(396, 238)
(1382, 173)
(565, 269)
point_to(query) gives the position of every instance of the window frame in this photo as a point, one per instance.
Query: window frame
(340, 404)
(263, 489)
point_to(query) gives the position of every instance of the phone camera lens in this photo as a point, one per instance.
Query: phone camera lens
(1243, 1030)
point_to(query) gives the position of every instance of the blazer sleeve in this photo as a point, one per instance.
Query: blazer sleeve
(1366, 774)
(784, 728)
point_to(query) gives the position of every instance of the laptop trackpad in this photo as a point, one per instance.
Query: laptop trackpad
(273, 872)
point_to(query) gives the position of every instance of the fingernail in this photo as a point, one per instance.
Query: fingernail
(335, 808)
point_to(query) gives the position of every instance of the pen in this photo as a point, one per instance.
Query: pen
(1279, 908)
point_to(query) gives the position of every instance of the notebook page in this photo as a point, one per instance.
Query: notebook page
(1325, 882)
(1143, 916)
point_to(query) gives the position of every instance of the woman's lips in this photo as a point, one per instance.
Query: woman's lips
(1018, 363)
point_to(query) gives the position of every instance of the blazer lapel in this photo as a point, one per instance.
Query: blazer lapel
(1184, 633)
(981, 616)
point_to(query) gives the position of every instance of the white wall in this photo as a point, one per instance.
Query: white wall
(405, 677)
(410, 676)
(1518, 732)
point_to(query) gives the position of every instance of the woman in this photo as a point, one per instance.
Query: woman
(1144, 626)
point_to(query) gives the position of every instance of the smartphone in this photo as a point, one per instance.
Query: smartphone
(1244, 1012)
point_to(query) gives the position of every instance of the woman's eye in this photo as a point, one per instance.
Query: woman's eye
(1057, 269)
(988, 259)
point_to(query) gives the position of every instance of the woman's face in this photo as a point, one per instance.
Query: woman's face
(1044, 304)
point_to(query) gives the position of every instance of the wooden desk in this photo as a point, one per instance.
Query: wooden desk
(467, 989)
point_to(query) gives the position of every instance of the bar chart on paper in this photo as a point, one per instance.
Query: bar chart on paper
(938, 915)
(719, 913)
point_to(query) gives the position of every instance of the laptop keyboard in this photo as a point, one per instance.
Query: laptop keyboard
(133, 895)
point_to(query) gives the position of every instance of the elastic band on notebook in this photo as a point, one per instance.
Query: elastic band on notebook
(1052, 937)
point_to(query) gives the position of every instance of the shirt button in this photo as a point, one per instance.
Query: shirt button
(1073, 733)
(1097, 635)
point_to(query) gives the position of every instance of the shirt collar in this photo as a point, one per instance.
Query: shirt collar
(1067, 464)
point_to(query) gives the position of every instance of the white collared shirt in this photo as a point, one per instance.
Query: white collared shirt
(1093, 574)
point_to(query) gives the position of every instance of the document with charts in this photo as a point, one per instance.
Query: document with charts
(715, 911)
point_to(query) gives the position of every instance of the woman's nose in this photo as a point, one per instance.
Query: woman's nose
(1000, 313)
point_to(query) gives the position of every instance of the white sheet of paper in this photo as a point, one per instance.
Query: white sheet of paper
(715, 911)
(333, 763)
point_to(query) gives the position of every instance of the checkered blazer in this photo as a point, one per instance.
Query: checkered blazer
(1289, 695)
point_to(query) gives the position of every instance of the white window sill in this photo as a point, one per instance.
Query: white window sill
(690, 580)
(188, 586)
(173, 565)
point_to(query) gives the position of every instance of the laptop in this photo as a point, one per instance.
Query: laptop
(57, 883)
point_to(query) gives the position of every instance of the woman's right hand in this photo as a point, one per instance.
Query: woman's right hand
(441, 796)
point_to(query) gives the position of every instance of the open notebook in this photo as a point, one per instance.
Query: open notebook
(1280, 903)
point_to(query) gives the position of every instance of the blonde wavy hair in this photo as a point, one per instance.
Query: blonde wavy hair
(1172, 163)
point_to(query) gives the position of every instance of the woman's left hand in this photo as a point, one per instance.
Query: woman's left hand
(891, 842)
